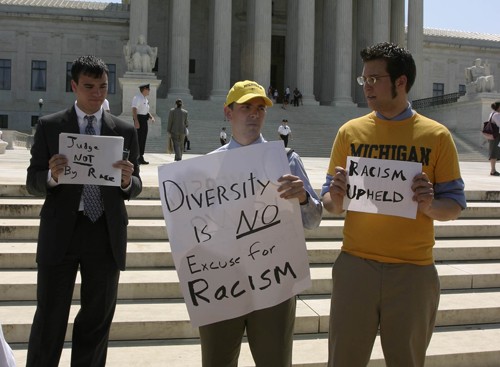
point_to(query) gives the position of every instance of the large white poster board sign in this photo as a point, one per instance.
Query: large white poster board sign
(237, 246)
(381, 186)
(90, 159)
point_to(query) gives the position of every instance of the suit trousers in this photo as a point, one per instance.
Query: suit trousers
(400, 299)
(269, 334)
(88, 250)
(142, 133)
(285, 139)
(178, 142)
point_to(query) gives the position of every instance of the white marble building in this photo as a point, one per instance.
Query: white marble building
(206, 45)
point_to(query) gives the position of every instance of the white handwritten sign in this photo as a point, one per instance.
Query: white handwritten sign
(90, 159)
(237, 246)
(381, 186)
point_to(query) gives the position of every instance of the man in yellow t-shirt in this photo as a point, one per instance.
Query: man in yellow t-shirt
(385, 275)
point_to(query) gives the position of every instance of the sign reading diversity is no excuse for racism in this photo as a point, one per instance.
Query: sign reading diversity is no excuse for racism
(381, 186)
(237, 246)
(90, 159)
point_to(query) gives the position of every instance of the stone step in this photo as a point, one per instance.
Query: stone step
(151, 208)
(460, 228)
(152, 254)
(155, 229)
(157, 254)
(150, 191)
(449, 347)
(169, 319)
(137, 284)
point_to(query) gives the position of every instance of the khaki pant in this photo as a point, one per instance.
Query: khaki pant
(400, 299)
(269, 334)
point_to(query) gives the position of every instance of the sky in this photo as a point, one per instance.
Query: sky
(462, 15)
(459, 15)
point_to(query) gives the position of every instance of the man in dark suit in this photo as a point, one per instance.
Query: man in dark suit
(72, 236)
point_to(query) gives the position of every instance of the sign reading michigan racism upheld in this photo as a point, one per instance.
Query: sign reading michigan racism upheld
(90, 159)
(381, 186)
(237, 246)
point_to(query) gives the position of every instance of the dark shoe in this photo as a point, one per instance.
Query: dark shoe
(142, 161)
(495, 173)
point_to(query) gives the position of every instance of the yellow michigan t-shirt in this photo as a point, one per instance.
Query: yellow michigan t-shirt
(388, 238)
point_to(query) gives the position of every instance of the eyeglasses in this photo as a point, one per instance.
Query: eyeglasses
(371, 80)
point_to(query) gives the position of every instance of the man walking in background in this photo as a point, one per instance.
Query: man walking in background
(177, 125)
(285, 132)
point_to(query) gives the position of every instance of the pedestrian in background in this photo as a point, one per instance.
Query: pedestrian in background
(223, 136)
(285, 132)
(177, 125)
(141, 116)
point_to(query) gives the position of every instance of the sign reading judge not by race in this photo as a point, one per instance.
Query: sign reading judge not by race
(381, 186)
(237, 246)
(90, 159)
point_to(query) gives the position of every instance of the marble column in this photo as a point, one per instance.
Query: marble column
(59, 63)
(262, 41)
(221, 57)
(364, 37)
(342, 91)
(381, 21)
(328, 55)
(305, 51)
(138, 20)
(247, 49)
(398, 22)
(416, 46)
(291, 45)
(21, 59)
(180, 19)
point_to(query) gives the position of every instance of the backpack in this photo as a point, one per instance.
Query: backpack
(490, 129)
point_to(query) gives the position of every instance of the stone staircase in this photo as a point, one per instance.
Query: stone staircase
(313, 128)
(151, 325)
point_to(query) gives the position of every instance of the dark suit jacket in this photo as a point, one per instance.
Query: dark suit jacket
(60, 209)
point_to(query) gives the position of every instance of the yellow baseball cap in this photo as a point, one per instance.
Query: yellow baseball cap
(246, 90)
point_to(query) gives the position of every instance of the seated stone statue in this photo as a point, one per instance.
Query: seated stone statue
(479, 78)
(140, 57)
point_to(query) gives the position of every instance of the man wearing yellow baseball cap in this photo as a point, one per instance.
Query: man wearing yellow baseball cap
(270, 330)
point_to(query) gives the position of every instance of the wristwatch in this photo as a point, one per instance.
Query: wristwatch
(305, 201)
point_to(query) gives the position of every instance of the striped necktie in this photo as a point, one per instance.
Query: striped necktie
(92, 201)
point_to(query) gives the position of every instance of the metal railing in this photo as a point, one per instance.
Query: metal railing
(437, 101)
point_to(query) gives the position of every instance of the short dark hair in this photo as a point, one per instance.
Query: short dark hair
(399, 61)
(495, 105)
(88, 65)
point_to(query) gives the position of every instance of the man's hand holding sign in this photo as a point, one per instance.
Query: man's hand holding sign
(236, 231)
(90, 159)
(379, 186)
(394, 172)
(237, 244)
